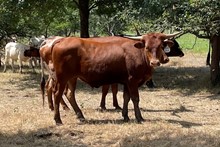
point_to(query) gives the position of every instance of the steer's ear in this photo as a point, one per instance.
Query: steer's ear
(139, 44)
(169, 42)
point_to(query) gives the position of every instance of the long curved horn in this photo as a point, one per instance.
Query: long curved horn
(136, 37)
(172, 35)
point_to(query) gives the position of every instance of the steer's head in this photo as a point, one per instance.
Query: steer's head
(154, 47)
(175, 50)
(32, 52)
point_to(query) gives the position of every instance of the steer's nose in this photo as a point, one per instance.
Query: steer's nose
(154, 63)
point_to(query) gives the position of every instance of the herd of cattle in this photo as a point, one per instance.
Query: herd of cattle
(103, 61)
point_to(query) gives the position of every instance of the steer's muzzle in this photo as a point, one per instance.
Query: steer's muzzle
(154, 63)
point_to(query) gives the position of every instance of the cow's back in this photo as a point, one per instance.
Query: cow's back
(45, 49)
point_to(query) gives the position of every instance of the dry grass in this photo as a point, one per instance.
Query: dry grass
(183, 110)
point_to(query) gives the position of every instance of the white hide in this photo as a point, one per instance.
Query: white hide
(36, 41)
(15, 51)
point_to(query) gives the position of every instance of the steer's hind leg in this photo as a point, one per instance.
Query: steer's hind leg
(64, 105)
(49, 88)
(105, 89)
(59, 88)
(114, 93)
(72, 99)
(125, 104)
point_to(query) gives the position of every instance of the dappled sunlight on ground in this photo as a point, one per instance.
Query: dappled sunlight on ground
(183, 110)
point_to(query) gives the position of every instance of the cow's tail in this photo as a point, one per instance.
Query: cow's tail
(42, 83)
(208, 56)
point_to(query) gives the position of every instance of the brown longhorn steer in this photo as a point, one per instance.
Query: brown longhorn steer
(126, 61)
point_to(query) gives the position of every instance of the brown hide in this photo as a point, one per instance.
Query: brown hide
(124, 61)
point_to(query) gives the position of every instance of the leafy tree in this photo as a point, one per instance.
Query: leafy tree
(9, 20)
(41, 14)
(28, 18)
(102, 7)
(107, 24)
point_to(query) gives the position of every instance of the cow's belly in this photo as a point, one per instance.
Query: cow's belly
(15, 55)
(96, 79)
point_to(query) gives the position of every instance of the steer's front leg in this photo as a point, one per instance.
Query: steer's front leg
(135, 99)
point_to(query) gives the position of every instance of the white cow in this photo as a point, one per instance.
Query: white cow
(36, 41)
(15, 51)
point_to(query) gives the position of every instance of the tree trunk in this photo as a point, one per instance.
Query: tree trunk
(215, 58)
(84, 18)
(0, 60)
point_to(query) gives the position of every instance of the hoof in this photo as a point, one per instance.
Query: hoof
(118, 108)
(58, 122)
(82, 119)
(126, 119)
(51, 108)
(102, 107)
(139, 120)
(66, 108)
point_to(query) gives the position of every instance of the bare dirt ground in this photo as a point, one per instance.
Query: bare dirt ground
(183, 111)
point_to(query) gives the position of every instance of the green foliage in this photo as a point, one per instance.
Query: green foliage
(9, 20)
(109, 7)
(200, 17)
(109, 17)
(52, 17)
(28, 18)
